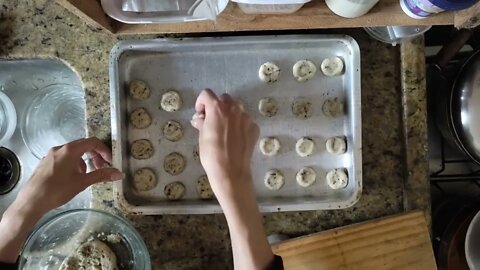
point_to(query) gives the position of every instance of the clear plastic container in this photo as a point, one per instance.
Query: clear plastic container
(270, 7)
(8, 118)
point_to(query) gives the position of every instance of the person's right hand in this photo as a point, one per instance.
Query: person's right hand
(226, 142)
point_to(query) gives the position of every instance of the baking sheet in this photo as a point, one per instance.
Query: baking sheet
(231, 65)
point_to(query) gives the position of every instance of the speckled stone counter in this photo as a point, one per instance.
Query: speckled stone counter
(395, 175)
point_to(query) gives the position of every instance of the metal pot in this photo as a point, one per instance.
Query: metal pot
(457, 106)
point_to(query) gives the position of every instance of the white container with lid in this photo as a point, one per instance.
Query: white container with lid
(270, 6)
(351, 8)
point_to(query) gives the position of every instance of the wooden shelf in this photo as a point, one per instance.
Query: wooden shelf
(314, 15)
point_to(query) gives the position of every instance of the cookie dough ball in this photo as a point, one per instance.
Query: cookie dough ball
(305, 147)
(269, 146)
(173, 131)
(269, 72)
(333, 107)
(196, 153)
(337, 178)
(93, 254)
(336, 145)
(332, 66)
(268, 107)
(174, 191)
(140, 118)
(304, 70)
(174, 164)
(203, 188)
(144, 179)
(141, 149)
(171, 101)
(274, 180)
(306, 176)
(302, 108)
(139, 90)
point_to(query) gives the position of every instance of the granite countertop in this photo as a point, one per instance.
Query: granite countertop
(395, 164)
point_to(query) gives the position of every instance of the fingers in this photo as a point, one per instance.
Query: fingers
(97, 160)
(197, 121)
(102, 175)
(227, 99)
(94, 147)
(206, 98)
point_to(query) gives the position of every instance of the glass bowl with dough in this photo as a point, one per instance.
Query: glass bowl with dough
(85, 238)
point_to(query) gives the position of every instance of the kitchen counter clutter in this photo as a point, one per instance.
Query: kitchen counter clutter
(395, 169)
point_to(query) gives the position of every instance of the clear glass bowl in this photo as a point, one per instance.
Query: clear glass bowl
(55, 116)
(61, 235)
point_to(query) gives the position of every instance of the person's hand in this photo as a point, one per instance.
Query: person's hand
(226, 141)
(62, 174)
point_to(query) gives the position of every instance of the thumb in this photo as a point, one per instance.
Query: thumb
(197, 121)
(102, 175)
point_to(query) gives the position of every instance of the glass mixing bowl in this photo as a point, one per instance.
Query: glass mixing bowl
(60, 236)
(55, 116)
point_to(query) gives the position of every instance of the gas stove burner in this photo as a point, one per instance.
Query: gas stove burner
(9, 170)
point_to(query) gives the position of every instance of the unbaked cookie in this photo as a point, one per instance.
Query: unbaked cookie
(140, 118)
(333, 107)
(274, 180)
(332, 66)
(302, 108)
(139, 90)
(174, 191)
(171, 101)
(173, 131)
(141, 149)
(337, 178)
(305, 147)
(144, 179)
(268, 106)
(93, 254)
(336, 145)
(269, 146)
(306, 176)
(269, 72)
(174, 164)
(304, 70)
(204, 189)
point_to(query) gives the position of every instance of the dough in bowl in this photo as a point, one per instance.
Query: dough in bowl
(93, 254)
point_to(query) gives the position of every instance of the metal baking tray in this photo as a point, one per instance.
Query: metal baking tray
(230, 65)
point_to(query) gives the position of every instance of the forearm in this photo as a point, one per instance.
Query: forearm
(15, 226)
(249, 242)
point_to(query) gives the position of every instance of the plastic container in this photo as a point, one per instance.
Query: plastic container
(8, 118)
(60, 236)
(270, 7)
(420, 9)
(351, 8)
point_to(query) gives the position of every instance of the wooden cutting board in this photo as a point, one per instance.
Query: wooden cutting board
(398, 242)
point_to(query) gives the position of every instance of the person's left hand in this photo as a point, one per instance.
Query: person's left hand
(62, 174)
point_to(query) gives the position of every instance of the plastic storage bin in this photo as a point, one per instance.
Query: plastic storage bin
(269, 6)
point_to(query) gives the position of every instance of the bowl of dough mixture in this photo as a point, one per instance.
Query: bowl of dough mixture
(85, 239)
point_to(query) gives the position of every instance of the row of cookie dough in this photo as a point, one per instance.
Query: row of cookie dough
(305, 177)
(145, 179)
(302, 107)
(303, 70)
(171, 101)
(270, 146)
